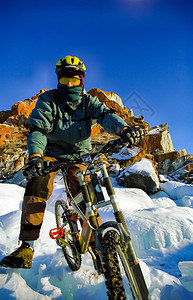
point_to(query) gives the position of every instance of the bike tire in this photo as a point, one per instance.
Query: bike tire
(113, 278)
(71, 254)
(120, 276)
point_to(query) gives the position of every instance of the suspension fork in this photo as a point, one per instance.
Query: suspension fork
(111, 192)
(87, 230)
(119, 217)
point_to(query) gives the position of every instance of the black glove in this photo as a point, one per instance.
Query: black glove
(132, 135)
(34, 167)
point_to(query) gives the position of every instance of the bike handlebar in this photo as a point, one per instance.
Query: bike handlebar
(110, 146)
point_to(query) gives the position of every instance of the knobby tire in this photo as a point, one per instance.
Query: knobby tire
(116, 263)
(113, 278)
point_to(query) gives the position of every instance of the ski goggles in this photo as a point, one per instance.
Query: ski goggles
(75, 81)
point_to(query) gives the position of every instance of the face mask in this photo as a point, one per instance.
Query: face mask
(71, 95)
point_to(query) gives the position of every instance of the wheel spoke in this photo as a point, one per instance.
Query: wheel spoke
(63, 213)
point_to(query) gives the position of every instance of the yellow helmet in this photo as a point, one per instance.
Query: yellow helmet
(70, 66)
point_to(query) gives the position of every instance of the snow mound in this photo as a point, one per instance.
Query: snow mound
(177, 190)
(133, 199)
(161, 199)
(160, 227)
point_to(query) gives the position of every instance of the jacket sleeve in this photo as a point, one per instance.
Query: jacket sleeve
(41, 121)
(105, 117)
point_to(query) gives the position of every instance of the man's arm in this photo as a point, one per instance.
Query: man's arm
(41, 121)
(104, 116)
(114, 124)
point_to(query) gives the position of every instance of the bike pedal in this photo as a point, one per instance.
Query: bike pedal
(56, 233)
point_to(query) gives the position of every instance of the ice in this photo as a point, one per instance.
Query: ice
(161, 228)
(177, 190)
(185, 201)
(186, 268)
(161, 199)
(13, 286)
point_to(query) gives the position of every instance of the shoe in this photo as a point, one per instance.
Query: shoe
(21, 258)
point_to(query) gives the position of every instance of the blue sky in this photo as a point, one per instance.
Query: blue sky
(139, 49)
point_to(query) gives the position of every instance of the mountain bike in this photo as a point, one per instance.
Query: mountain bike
(77, 221)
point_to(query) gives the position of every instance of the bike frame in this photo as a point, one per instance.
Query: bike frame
(92, 195)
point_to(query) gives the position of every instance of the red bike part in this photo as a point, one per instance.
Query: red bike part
(56, 233)
(74, 217)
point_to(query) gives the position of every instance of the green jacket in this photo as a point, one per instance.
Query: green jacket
(64, 131)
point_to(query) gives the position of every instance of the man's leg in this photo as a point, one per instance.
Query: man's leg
(38, 191)
(72, 178)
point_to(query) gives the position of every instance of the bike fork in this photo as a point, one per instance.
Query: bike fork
(132, 257)
(110, 191)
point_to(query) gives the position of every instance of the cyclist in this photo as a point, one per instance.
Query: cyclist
(60, 128)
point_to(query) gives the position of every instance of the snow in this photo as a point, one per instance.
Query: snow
(177, 190)
(144, 168)
(161, 228)
(125, 153)
(10, 203)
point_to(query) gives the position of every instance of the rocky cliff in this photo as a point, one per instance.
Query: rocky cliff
(157, 146)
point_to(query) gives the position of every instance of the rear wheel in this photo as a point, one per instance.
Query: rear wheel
(62, 215)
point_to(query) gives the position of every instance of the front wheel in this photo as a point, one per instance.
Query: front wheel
(122, 277)
(62, 215)
(114, 282)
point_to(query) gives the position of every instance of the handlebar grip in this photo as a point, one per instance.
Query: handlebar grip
(48, 166)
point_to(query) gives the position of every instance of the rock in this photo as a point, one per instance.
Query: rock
(12, 161)
(173, 155)
(96, 131)
(113, 101)
(23, 108)
(19, 164)
(128, 156)
(4, 115)
(140, 175)
(12, 135)
(157, 146)
(17, 178)
(183, 173)
(171, 161)
(105, 96)
(114, 170)
(159, 140)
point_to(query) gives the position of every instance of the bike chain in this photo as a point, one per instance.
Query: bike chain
(112, 272)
